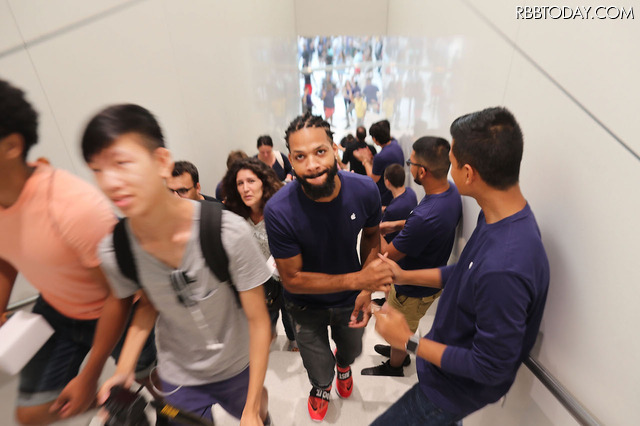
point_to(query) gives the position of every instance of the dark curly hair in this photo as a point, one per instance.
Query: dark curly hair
(270, 184)
(17, 116)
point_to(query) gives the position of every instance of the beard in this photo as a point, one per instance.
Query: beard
(323, 190)
(415, 179)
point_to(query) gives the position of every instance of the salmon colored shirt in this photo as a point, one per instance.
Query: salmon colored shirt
(50, 235)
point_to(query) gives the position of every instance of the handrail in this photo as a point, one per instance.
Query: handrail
(22, 303)
(561, 393)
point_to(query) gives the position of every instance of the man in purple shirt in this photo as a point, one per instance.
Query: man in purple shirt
(391, 153)
(493, 298)
(403, 202)
(313, 225)
(425, 240)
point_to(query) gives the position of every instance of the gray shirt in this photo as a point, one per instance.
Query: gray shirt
(184, 358)
(260, 235)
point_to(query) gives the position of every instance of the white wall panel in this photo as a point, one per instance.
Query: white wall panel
(38, 18)
(595, 61)
(340, 17)
(581, 185)
(453, 50)
(237, 74)
(9, 32)
(122, 58)
(528, 403)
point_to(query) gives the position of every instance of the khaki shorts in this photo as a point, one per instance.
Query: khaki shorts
(413, 308)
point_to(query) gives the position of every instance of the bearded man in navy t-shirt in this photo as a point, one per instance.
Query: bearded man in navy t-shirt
(493, 298)
(425, 241)
(313, 225)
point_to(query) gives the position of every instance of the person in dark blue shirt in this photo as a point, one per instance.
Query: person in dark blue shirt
(313, 225)
(391, 153)
(493, 298)
(403, 202)
(272, 158)
(424, 241)
(349, 156)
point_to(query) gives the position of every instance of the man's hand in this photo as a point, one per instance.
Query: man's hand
(124, 380)
(376, 276)
(361, 310)
(77, 397)
(396, 270)
(363, 155)
(392, 326)
(386, 228)
(251, 419)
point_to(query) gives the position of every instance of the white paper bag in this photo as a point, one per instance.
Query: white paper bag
(20, 338)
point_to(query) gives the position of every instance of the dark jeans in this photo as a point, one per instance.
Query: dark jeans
(286, 320)
(414, 408)
(312, 335)
(59, 360)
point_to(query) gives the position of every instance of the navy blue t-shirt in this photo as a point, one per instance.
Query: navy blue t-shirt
(281, 171)
(428, 235)
(325, 234)
(399, 209)
(488, 315)
(390, 154)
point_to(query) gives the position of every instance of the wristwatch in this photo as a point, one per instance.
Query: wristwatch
(412, 344)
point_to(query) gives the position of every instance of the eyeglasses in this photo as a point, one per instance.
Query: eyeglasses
(180, 191)
(409, 163)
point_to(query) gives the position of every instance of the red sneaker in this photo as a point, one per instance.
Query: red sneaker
(318, 403)
(344, 382)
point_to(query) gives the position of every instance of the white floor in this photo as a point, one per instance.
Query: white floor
(289, 387)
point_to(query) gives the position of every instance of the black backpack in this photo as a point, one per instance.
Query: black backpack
(210, 244)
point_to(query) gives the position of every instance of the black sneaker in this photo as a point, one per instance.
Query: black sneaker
(384, 369)
(385, 350)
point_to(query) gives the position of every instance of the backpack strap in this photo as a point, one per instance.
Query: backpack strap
(122, 249)
(279, 158)
(211, 243)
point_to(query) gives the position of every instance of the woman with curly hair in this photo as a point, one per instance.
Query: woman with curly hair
(248, 185)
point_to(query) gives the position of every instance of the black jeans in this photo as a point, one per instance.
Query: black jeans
(312, 335)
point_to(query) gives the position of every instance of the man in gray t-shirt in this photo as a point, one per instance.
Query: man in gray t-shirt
(193, 351)
(202, 335)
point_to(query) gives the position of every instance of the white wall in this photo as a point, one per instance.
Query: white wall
(341, 17)
(580, 181)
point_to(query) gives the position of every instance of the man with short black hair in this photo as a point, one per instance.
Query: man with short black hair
(51, 223)
(403, 202)
(349, 157)
(493, 298)
(207, 335)
(185, 181)
(391, 153)
(425, 240)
